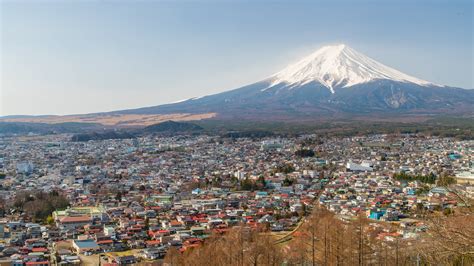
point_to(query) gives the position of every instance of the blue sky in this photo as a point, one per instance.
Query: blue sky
(68, 57)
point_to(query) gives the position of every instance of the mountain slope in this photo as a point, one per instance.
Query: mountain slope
(335, 81)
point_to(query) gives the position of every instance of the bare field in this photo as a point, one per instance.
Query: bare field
(122, 120)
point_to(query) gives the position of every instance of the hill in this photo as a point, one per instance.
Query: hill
(172, 127)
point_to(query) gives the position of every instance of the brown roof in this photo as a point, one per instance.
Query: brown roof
(75, 219)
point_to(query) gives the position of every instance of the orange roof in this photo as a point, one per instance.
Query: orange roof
(107, 241)
(175, 223)
(152, 242)
(39, 249)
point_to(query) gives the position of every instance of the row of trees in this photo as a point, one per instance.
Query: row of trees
(240, 246)
(443, 180)
(327, 240)
(402, 176)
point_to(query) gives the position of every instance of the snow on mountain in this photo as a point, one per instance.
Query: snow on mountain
(339, 66)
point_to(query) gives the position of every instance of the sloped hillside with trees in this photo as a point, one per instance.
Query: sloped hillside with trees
(324, 239)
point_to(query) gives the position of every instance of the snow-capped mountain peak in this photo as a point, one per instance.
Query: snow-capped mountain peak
(339, 66)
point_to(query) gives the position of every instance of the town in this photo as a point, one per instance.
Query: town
(125, 201)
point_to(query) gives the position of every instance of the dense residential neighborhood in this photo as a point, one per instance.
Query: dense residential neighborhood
(115, 202)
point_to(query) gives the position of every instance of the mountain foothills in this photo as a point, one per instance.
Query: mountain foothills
(167, 128)
(333, 82)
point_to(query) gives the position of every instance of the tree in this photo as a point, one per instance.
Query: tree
(247, 184)
(288, 182)
(118, 196)
(261, 182)
(304, 153)
(445, 181)
(49, 220)
(451, 239)
(2, 206)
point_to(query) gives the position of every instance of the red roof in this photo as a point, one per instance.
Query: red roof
(152, 242)
(107, 241)
(193, 240)
(39, 249)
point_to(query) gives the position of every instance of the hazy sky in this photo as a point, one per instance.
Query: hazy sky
(67, 57)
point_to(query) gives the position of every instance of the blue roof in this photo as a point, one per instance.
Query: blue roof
(86, 244)
(454, 156)
(440, 190)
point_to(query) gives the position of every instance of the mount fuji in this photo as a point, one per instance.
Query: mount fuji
(334, 81)
(339, 66)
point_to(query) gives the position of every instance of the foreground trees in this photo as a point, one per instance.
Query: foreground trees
(240, 246)
(324, 239)
(327, 240)
(451, 239)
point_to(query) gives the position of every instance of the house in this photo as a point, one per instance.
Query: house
(438, 191)
(73, 222)
(261, 194)
(154, 253)
(120, 260)
(376, 214)
(358, 167)
(83, 246)
(198, 230)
